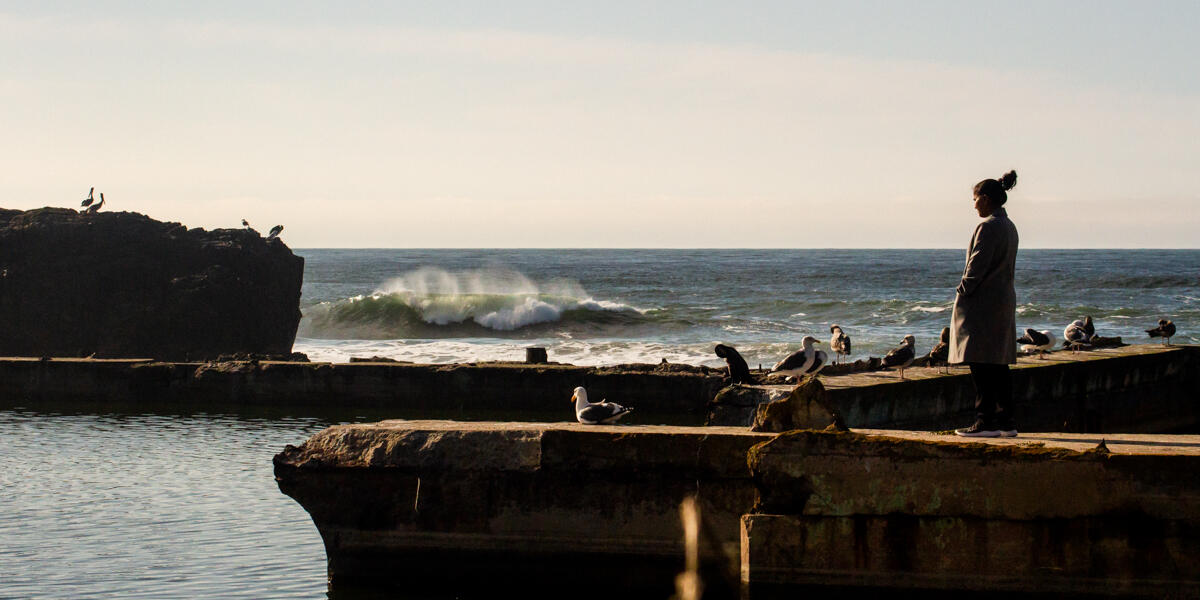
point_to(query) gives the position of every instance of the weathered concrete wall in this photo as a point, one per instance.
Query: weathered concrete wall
(1130, 389)
(1145, 388)
(448, 503)
(871, 511)
(498, 391)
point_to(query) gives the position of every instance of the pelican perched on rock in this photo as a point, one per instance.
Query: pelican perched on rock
(806, 361)
(939, 356)
(903, 355)
(275, 231)
(246, 224)
(89, 200)
(1165, 330)
(96, 207)
(1037, 341)
(600, 413)
(839, 342)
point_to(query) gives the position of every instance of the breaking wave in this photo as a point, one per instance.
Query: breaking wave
(434, 303)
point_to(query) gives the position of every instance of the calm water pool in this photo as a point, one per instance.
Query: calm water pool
(136, 505)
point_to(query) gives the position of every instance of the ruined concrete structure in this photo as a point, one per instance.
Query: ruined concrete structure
(1146, 388)
(445, 504)
(449, 504)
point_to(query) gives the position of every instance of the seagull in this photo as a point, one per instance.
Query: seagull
(275, 231)
(1076, 335)
(839, 343)
(941, 352)
(1165, 330)
(1088, 327)
(96, 207)
(901, 356)
(1037, 341)
(806, 361)
(246, 224)
(600, 413)
(739, 371)
(88, 201)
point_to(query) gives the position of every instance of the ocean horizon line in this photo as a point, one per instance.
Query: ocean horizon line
(759, 248)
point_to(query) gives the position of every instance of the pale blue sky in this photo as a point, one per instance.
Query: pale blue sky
(680, 124)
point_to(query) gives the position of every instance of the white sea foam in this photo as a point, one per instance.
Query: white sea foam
(931, 309)
(530, 311)
(496, 298)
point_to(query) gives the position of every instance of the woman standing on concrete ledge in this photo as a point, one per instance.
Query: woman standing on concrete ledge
(983, 326)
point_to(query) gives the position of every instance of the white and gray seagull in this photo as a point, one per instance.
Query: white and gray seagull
(903, 355)
(839, 342)
(1037, 341)
(1076, 335)
(806, 361)
(600, 413)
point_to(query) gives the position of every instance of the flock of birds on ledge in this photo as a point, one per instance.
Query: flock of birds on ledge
(808, 361)
(93, 207)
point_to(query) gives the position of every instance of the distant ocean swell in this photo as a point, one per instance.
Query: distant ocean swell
(646, 306)
(409, 315)
(433, 303)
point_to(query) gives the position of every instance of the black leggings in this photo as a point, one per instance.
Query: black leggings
(993, 393)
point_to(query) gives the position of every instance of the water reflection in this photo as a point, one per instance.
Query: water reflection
(141, 504)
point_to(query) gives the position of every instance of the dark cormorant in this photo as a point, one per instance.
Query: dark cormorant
(739, 371)
(275, 231)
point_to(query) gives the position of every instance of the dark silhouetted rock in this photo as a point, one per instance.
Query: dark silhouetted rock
(125, 285)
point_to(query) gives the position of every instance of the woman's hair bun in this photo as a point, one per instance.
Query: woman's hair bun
(1008, 180)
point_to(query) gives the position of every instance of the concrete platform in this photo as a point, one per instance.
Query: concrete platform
(1134, 389)
(1140, 388)
(444, 503)
(1117, 443)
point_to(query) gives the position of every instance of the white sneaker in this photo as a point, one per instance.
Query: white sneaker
(978, 430)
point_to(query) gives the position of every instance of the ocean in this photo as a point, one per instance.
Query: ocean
(604, 307)
(136, 501)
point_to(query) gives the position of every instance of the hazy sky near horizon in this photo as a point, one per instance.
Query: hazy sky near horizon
(611, 124)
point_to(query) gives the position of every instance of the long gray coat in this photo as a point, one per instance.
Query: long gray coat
(983, 328)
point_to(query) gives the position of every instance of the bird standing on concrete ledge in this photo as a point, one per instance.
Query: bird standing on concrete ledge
(806, 361)
(839, 343)
(903, 355)
(600, 413)
(1165, 330)
(1037, 341)
(939, 355)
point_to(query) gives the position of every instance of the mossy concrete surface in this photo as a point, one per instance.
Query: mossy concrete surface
(1037, 513)
(443, 503)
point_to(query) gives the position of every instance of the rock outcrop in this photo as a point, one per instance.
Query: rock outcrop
(125, 285)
